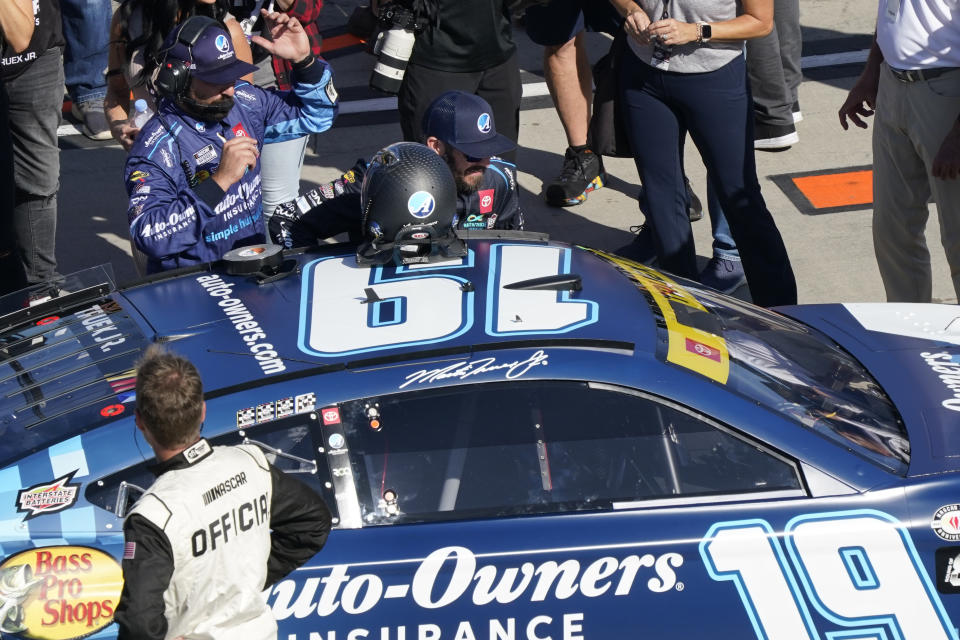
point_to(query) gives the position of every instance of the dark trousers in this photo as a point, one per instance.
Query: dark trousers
(715, 107)
(773, 63)
(11, 269)
(36, 100)
(499, 85)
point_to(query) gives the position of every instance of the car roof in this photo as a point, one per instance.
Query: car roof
(69, 361)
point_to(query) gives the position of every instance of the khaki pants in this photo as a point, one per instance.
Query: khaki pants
(911, 122)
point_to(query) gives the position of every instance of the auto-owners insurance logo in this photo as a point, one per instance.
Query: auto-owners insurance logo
(946, 522)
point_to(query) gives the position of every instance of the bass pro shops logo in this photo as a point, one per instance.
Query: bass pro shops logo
(58, 593)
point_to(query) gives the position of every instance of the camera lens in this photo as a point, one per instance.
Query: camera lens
(393, 51)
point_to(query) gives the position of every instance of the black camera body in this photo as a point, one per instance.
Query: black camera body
(399, 26)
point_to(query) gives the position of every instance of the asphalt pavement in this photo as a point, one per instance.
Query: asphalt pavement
(830, 247)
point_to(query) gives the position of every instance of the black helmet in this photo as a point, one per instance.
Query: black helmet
(409, 201)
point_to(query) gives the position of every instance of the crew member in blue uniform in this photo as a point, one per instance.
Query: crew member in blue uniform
(460, 128)
(193, 176)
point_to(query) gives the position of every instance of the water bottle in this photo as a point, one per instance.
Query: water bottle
(141, 113)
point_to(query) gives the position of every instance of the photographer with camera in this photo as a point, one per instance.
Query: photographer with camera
(451, 45)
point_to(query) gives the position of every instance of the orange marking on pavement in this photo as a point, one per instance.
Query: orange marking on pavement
(339, 42)
(837, 189)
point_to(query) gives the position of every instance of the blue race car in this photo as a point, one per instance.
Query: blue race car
(535, 441)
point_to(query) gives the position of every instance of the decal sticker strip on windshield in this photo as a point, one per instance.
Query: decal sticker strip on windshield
(687, 346)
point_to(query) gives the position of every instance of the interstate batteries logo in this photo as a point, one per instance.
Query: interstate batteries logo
(48, 497)
(58, 593)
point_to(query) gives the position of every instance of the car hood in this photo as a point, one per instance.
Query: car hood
(913, 351)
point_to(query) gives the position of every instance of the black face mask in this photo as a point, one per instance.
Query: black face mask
(212, 112)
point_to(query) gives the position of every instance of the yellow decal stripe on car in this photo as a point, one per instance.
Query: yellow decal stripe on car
(689, 347)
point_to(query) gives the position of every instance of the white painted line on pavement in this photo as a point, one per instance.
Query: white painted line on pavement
(67, 130)
(833, 59)
(538, 89)
(370, 105)
(120, 243)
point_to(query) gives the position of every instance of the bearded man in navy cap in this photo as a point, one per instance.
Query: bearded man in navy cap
(460, 128)
(193, 175)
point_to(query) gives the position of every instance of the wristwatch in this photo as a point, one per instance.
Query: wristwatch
(704, 32)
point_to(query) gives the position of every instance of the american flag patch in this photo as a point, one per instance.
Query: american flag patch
(129, 550)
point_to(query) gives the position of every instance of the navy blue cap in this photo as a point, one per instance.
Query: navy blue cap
(465, 122)
(212, 58)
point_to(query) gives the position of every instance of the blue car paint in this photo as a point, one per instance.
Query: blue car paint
(646, 570)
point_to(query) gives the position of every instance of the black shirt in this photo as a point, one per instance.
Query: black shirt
(47, 33)
(467, 36)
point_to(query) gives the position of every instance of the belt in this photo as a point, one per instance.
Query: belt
(915, 75)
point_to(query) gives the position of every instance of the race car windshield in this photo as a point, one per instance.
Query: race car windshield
(805, 375)
(777, 362)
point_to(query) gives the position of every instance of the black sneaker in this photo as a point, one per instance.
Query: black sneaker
(582, 173)
(694, 206)
(642, 249)
(771, 137)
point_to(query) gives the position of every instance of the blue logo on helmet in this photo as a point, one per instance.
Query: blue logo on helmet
(483, 123)
(421, 204)
(222, 43)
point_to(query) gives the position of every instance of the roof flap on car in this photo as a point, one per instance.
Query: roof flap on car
(67, 357)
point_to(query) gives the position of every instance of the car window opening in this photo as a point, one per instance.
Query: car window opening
(494, 450)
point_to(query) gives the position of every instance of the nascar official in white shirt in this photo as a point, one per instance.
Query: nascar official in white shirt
(219, 525)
